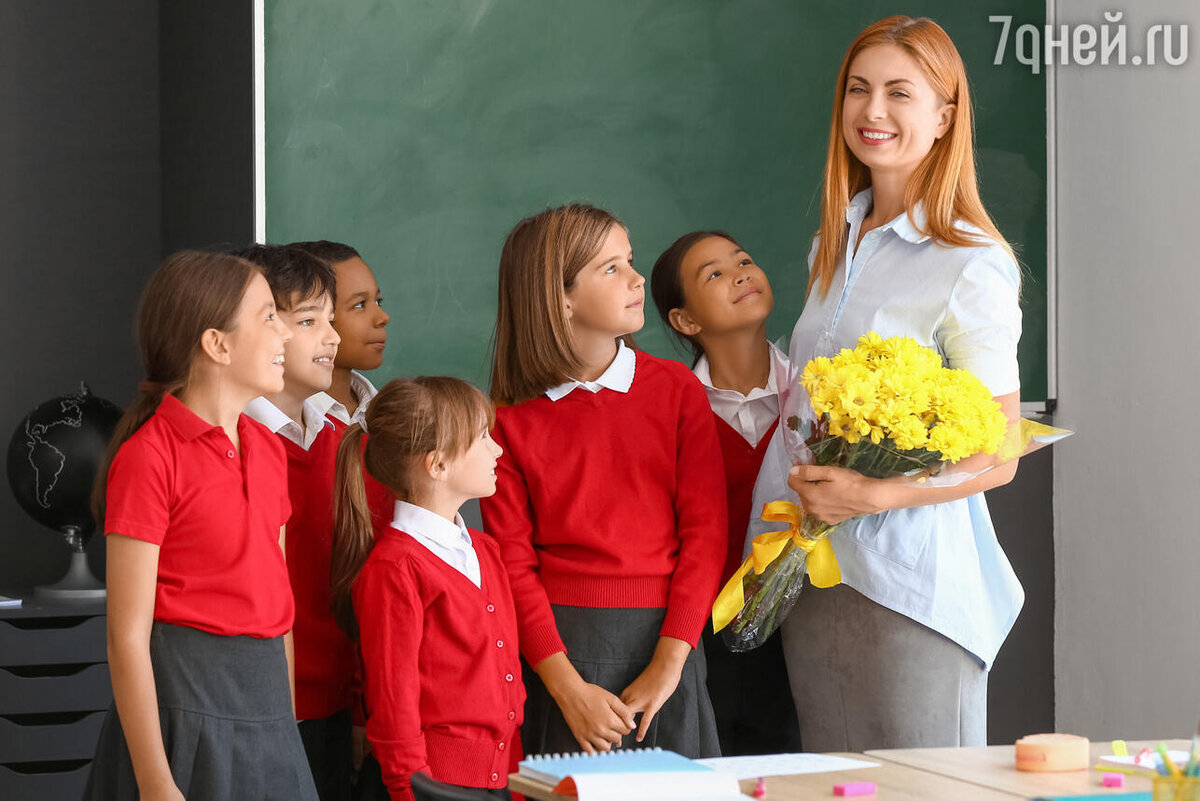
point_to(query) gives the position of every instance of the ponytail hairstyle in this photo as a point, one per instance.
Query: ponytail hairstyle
(666, 283)
(189, 293)
(542, 256)
(944, 182)
(409, 419)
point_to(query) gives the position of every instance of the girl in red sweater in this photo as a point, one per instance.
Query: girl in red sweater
(427, 598)
(610, 502)
(713, 296)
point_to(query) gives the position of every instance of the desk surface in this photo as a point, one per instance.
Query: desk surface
(895, 782)
(994, 767)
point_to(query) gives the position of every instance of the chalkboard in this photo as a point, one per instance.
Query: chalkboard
(420, 131)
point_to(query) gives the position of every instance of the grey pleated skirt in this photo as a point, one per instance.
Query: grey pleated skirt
(610, 648)
(227, 723)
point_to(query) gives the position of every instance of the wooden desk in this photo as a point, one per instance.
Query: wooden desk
(994, 767)
(895, 782)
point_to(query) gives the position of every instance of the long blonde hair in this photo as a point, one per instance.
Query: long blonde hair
(944, 182)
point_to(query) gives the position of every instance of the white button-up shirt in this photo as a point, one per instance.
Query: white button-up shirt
(751, 414)
(313, 414)
(939, 565)
(618, 377)
(450, 542)
(363, 391)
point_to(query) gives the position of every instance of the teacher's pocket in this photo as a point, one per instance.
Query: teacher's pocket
(900, 535)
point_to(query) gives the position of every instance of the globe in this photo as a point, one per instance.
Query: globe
(53, 457)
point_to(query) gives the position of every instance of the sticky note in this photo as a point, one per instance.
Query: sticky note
(854, 788)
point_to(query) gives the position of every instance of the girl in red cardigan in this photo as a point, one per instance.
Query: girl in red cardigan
(427, 598)
(610, 502)
(713, 296)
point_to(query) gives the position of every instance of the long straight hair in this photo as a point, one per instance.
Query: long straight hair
(409, 419)
(541, 258)
(189, 293)
(944, 182)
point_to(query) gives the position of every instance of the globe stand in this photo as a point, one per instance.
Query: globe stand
(78, 584)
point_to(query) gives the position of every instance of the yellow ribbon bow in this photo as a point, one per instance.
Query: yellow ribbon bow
(822, 565)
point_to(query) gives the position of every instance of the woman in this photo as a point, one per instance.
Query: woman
(897, 655)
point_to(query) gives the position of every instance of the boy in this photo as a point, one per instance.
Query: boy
(325, 661)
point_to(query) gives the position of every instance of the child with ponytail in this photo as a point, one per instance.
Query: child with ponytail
(426, 597)
(193, 498)
(610, 502)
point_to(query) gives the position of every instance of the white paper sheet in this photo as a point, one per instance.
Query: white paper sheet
(752, 767)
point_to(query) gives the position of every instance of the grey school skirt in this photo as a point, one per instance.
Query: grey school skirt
(227, 724)
(610, 648)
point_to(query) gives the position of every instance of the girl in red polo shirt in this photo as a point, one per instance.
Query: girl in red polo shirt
(427, 598)
(193, 501)
(610, 502)
(713, 296)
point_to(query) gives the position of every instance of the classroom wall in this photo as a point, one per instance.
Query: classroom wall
(127, 134)
(79, 216)
(1127, 634)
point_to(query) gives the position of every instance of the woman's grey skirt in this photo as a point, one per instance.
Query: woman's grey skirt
(227, 723)
(610, 648)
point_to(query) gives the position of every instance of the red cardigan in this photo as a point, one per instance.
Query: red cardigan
(611, 500)
(742, 463)
(442, 668)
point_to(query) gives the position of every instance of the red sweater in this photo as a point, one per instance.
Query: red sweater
(443, 673)
(611, 500)
(325, 660)
(742, 463)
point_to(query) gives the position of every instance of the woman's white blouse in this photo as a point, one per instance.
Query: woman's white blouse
(939, 565)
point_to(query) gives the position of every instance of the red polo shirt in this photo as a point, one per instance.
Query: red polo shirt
(215, 514)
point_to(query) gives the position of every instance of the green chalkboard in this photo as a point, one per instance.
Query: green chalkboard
(420, 131)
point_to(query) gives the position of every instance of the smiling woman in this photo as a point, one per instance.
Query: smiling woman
(905, 247)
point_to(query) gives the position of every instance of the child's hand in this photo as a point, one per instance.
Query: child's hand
(650, 690)
(597, 718)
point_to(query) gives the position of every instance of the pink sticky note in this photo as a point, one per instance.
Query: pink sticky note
(1113, 780)
(854, 788)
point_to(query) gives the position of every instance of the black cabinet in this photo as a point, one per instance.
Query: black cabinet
(54, 691)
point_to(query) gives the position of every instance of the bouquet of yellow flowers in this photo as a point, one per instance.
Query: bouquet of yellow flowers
(887, 408)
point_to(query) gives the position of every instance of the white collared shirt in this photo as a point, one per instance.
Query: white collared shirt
(618, 377)
(450, 542)
(939, 564)
(268, 414)
(363, 391)
(749, 415)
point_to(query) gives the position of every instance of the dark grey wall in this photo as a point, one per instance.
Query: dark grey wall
(79, 216)
(1021, 684)
(207, 107)
(126, 134)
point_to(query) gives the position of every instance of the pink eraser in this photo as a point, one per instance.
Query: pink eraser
(854, 788)
(1113, 780)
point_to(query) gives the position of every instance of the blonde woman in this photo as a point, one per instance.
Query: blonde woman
(897, 655)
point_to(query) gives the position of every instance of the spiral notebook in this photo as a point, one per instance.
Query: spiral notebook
(632, 774)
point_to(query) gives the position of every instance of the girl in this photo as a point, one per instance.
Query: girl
(897, 656)
(194, 504)
(609, 507)
(431, 604)
(361, 322)
(713, 296)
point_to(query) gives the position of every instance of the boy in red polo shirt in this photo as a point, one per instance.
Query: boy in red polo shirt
(325, 661)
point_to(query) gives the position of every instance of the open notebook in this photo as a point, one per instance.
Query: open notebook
(630, 775)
